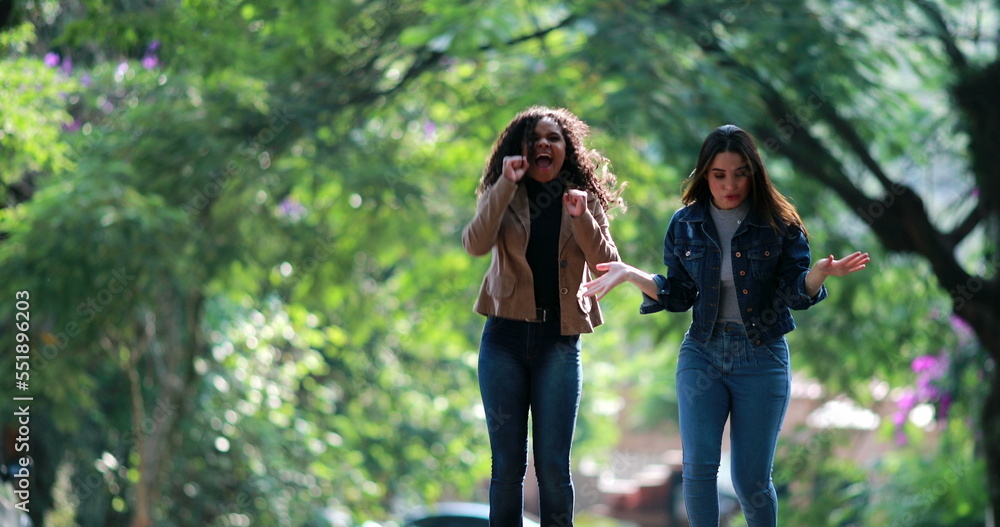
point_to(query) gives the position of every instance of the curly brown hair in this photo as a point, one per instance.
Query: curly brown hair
(585, 168)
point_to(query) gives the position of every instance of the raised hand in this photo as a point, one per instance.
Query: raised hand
(515, 167)
(830, 266)
(575, 201)
(614, 274)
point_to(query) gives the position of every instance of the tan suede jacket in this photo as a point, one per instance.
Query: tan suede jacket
(502, 224)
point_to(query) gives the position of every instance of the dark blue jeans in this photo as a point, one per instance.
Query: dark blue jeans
(522, 366)
(750, 385)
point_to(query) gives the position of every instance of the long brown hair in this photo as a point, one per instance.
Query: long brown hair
(764, 197)
(584, 168)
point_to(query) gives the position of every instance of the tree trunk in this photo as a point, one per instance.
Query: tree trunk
(979, 305)
(991, 441)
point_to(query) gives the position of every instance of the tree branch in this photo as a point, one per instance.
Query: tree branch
(427, 57)
(899, 218)
(943, 33)
(537, 34)
(967, 225)
(846, 130)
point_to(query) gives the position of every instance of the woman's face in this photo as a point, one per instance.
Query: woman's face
(548, 152)
(728, 179)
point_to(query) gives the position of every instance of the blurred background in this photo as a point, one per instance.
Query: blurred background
(239, 225)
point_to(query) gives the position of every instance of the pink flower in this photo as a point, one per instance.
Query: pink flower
(292, 209)
(944, 406)
(924, 363)
(51, 59)
(927, 391)
(150, 60)
(898, 418)
(962, 329)
(907, 401)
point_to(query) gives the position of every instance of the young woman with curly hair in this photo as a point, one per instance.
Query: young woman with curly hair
(737, 256)
(543, 214)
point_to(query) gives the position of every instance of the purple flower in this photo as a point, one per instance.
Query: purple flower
(51, 59)
(291, 208)
(153, 46)
(924, 363)
(907, 401)
(944, 405)
(72, 127)
(962, 329)
(933, 366)
(927, 391)
(150, 61)
(898, 418)
(86, 80)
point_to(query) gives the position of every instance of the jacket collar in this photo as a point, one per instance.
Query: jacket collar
(519, 203)
(522, 211)
(698, 212)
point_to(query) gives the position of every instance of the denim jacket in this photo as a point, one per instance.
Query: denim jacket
(769, 269)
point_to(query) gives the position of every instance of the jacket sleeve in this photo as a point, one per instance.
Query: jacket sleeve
(793, 267)
(677, 290)
(593, 235)
(480, 234)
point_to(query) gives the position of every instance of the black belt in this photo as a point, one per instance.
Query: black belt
(546, 314)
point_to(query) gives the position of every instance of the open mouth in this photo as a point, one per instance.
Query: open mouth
(543, 161)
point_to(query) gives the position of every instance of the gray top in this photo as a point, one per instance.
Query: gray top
(726, 223)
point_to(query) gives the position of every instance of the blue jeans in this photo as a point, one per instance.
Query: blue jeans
(526, 365)
(731, 378)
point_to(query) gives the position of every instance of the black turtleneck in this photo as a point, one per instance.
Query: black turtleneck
(545, 209)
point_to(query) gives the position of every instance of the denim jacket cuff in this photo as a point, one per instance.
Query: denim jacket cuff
(653, 305)
(804, 296)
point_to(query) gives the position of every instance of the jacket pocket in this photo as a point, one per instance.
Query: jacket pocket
(764, 259)
(500, 286)
(586, 304)
(692, 258)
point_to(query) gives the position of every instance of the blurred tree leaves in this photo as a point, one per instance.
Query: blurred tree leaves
(241, 222)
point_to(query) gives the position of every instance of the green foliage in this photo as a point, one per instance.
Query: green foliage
(913, 488)
(32, 111)
(818, 485)
(240, 226)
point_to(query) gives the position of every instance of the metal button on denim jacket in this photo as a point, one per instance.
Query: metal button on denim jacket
(769, 270)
